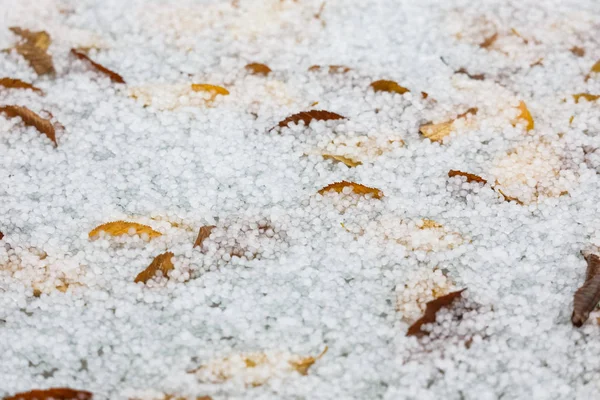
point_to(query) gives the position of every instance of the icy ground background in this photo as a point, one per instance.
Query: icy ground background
(309, 283)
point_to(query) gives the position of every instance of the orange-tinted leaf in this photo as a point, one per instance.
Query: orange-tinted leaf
(526, 115)
(355, 187)
(348, 161)
(52, 394)
(508, 198)
(304, 364)
(588, 295)
(118, 228)
(477, 77)
(31, 119)
(578, 51)
(430, 224)
(203, 234)
(258, 69)
(388, 86)
(34, 48)
(308, 116)
(161, 262)
(100, 68)
(205, 87)
(436, 132)
(595, 69)
(332, 69)
(470, 177)
(431, 313)
(489, 41)
(587, 96)
(11, 83)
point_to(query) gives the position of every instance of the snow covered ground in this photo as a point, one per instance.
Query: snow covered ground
(290, 270)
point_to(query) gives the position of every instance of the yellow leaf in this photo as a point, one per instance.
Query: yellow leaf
(571, 119)
(595, 69)
(355, 187)
(348, 161)
(430, 224)
(587, 96)
(305, 363)
(525, 115)
(437, 132)
(161, 262)
(212, 89)
(388, 86)
(118, 228)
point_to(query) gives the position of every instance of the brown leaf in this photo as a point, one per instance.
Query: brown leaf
(587, 96)
(514, 32)
(470, 177)
(161, 262)
(11, 83)
(345, 160)
(539, 62)
(118, 228)
(477, 77)
(203, 234)
(34, 49)
(356, 188)
(258, 69)
(489, 41)
(308, 116)
(52, 394)
(332, 69)
(431, 312)
(578, 51)
(388, 86)
(588, 295)
(1, 235)
(31, 119)
(111, 74)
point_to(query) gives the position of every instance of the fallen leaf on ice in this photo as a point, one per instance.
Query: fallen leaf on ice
(258, 69)
(203, 234)
(489, 41)
(470, 177)
(111, 74)
(305, 363)
(594, 70)
(11, 83)
(52, 394)
(587, 96)
(214, 90)
(34, 48)
(477, 77)
(332, 69)
(422, 286)
(517, 34)
(525, 115)
(31, 119)
(345, 160)
(353, 187)
(437, 132)
(161, 262)
(388, 86)
(118, 228)
(431, 313)
(308, 116)
(577, 51)
(588, 295)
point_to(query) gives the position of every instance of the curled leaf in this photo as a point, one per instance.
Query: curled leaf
(588, 295)
(118, 228)
(203, 234)
(332, 69)
(308, 116)
(587, 96)
(431, 313)
(258, 69)
(100, 68)
(52, 394)
(354, 187)
(214, 90)
(31, 119)
(34, 48)
(11, 83)
(525, 115)
(388, 86)
(470, 177)
(477, 77)
(437, 132)
(345, 160)
(161, 262)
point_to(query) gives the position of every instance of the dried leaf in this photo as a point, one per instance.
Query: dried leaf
(430, 224)
(355, 187)
(31, 119)
(578, 51)
(588, 295)
(470, 177)
(161, 262)
(477, 77)
(348, 161)
(431, 312)
(308, 116)
(34, 49)
(111, 74)
(571, 119)
(514, 32)
(525, 115)
(214, 90)
(539, 62)
(52, 394)
(1, 235)
(258, 69)
(587, 96)
(436, 132)
(118, 228)
(332, 69)
(388, 86)
(304, 364)
(203, 234)
(489, 41)
(595, 69)
(11, 83)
